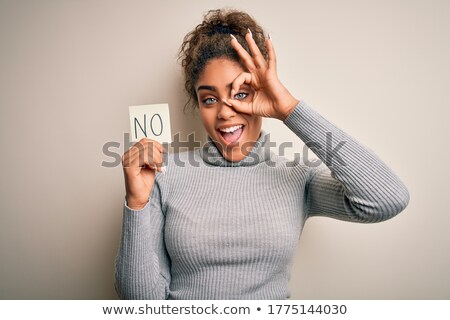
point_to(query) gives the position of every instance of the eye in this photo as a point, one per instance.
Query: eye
(241, 95)
(208, 101)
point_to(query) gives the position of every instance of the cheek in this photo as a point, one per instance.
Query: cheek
(254, 127)
(255, 123)
(208, 117)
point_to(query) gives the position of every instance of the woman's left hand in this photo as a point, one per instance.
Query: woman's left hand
(270, 99)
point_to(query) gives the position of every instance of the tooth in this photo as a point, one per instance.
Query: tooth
(231, 129)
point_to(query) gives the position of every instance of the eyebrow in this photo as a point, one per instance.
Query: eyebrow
(210, 88)
(213, 88)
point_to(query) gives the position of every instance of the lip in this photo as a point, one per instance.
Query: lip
(230, 143)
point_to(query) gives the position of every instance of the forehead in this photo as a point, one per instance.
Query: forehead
(219, 71)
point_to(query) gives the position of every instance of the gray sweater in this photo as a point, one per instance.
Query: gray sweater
(215, 229)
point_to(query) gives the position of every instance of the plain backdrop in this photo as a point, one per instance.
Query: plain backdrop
(380, 70)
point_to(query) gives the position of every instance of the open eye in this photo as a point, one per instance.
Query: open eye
(209, 101)
(240, 95)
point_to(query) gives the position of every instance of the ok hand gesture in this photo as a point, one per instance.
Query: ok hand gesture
(271, 99)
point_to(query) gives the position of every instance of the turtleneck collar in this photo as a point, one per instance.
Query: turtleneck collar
(258, 154)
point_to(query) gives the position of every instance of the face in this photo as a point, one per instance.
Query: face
(234, 133)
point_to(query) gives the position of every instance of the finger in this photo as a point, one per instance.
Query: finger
(258, 58)
(144, 144)
(153, 161)
(159, 150)
(130, 158)
(154, 158)
(244, 77)
(271, 54)
(243, 54)
(240, 106)
(153, 143)
(146, 153)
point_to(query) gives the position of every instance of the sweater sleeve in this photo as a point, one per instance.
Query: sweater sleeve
(142, 263)
(350, 182)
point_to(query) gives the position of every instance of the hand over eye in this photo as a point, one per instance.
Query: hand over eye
(270, 99)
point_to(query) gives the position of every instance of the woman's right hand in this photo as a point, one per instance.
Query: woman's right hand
(139, 165)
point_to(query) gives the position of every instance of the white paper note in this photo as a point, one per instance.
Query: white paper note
(150, 121)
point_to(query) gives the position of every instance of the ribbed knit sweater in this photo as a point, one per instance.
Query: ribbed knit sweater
(215, 229)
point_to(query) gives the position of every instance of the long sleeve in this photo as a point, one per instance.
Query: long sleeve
(142, 263)
(351, 183)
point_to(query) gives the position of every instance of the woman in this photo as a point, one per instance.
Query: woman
(224, 220)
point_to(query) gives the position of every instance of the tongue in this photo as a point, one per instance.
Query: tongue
(232, 136)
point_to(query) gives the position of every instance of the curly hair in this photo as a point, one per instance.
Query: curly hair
(211, 39)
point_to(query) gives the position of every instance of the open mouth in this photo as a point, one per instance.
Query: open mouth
(231, 134)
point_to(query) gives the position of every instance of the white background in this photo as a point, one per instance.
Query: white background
(380, 70)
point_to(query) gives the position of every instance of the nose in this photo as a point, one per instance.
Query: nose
(225, 111)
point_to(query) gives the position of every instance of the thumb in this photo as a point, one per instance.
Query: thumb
(239, 106)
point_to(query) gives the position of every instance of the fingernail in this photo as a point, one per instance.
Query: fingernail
(251, 35)
(270, 37)
(233, 37)
(227, 103)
